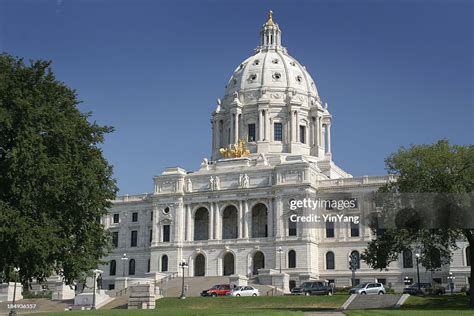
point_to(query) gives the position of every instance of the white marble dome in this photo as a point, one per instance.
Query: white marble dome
(271, 69)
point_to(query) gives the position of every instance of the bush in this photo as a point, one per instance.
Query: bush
(342, 290)
(45, 294)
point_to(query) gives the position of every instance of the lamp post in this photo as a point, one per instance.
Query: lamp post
(406, 281)
(417, 255)
(451, 278)
(124, 262)
(13, 310)
(96, 271)
(183, 265)
(353, 266)
(280, 251)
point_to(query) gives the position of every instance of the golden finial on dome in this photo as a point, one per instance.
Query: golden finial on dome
(270, 18)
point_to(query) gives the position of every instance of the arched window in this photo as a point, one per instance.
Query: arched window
(131, 267)
(229, 222)
(407, 258)
(468, 258)
(330, 261)
(201, 224)
(291, 228)
(113, 267)
(355, 254)
(291, 259)
(259, 221)
(164, 263)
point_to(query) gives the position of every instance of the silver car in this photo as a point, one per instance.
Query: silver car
(244, 291)
(368, 288)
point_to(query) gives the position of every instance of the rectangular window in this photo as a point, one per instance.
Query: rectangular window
(134, 217)
(278, 132)
(115, 239)
(111, 287)
(251, 132)
(166, 233)
(116, 218)
(329, 230)
(354, 230)
(382, 281)
(151, 236)
(302, 134)
(151, 216)
(291, 228)
(133, 238)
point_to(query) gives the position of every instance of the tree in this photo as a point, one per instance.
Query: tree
(438, 178)
(55, 183)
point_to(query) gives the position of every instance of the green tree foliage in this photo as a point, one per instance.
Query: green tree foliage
(425, 169)
(54, 182)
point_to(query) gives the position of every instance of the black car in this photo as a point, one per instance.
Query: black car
(424, 289)
(313, 288)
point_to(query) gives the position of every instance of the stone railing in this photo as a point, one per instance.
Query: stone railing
(356, 181)
(132, 198)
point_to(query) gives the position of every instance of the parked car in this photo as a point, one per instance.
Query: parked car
(217, 290)
(313, 288)
(424, 289)
(368, 288)
(244, 291)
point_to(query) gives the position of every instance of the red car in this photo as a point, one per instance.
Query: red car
(217, 290)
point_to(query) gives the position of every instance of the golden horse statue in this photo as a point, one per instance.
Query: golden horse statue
(235, 150)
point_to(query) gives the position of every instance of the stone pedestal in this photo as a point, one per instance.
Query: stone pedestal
(281, 281)
(121, 283)
(142, 296)
(62, 292)
(238, 280)
(85, 299)
(7, 289)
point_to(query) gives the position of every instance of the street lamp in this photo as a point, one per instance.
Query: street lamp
(417, 255)
(280, 251)
(96, 271)
(353, 262)
(406, 281)
(124, 262)
(183, 265)
(451, 278)
(13, 311)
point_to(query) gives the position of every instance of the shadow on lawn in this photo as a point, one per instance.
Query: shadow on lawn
(442, 302)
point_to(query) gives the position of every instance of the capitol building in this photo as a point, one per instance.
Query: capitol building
(232, 216)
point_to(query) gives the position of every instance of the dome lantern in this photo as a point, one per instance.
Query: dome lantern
(270, 35)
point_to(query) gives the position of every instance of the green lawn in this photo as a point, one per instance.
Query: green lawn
(263, 305)
(424, 306)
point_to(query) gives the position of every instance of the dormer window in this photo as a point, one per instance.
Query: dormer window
(275, 61)
(256, 62)
(253, 77)
(292, 63)
(299, 79)
(277, 76)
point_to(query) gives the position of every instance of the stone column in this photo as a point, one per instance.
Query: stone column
(240, 221)
(260, 125)
(211, 221)
(270, 217)
(232, 126)
(291, 132)
(329, 138)
(218, 224)
(316, 132)
(267, 125)
(323, 138)
(236, 129)
(246, 223)
(297, 127)
(188, 223)
(278, 217)
(155, 228)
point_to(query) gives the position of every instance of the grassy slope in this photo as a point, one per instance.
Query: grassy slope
(425, 306)
(264, 305)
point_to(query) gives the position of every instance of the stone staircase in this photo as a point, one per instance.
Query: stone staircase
(374, 301)
(195, 285)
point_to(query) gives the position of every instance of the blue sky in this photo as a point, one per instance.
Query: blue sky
(393, 72)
